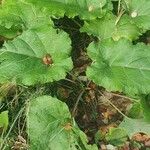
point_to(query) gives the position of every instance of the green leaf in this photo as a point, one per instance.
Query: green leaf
(140, 12)
(17, 15)
(83, 140)
(125, 28)
(50, 126)
(133, 126)
(120, 66)
(22, 60)
(4, 120)
(86, 9)
(135, 111)
(10, 33)
(116, 136)
(145, 102)
(108, 27)
(102, 28)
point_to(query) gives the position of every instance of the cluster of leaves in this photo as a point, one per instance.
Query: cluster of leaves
(36, 53)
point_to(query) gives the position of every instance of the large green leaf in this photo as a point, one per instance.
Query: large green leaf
(23, 59)
(120, 66)
(16, 16)
(86, 9)
(140, 12)
(133, 126)
(50, 127)
(108, 26)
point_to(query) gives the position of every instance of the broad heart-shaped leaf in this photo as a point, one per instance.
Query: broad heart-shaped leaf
(50, 127)
(16, 15)
(107, 27)
(120, 66)
(140, 12)
(86, 9)
(133, 126)
(37, 56)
